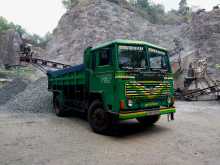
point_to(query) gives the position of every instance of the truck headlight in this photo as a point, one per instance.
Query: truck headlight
(130, 103)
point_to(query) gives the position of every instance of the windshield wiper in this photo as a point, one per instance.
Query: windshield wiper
(140, 69)
(164, 71)
(127, 67)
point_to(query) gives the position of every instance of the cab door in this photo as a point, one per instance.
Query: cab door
(102, 79)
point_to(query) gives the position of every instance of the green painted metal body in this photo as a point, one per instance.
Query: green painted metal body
(125, 93)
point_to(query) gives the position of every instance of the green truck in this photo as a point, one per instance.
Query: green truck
(118, 80)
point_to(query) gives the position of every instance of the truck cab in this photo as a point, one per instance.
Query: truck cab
(133, 78)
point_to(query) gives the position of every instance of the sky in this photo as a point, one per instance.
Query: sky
(36, 16)
(42, 16)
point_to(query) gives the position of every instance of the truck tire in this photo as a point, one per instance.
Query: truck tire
(59, 111)
(99, 120)
(148, 120)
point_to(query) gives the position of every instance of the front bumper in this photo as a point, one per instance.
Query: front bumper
(142, 113)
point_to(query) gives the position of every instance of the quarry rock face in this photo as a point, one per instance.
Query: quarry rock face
(96, 21)
(206, 36)
(89, 24)
(92, 22)
(9, 45)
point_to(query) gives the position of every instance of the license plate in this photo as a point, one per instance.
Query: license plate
(151, 113)
(151, 104)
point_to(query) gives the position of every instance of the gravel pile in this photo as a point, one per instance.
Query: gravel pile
(10, 90)
(35, 99)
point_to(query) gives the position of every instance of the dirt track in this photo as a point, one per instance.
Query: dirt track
(42, 139)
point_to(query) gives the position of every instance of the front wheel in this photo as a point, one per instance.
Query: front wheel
(99, 120)
(148, 120)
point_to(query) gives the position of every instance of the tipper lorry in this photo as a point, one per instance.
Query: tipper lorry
(118, 80)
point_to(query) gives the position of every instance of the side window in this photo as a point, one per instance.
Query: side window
(105, 57)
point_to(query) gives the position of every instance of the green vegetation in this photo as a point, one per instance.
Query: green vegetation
(155, 13)
(41, 41)
(31, 38)
(183, 8)
(69, 3)
(5, 25)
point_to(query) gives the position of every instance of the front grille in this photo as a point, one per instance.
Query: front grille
(147, 89)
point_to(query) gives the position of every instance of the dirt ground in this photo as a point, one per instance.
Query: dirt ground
(44, 139)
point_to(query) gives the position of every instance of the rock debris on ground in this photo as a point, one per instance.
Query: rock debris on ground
(35, 98)
(13, 88)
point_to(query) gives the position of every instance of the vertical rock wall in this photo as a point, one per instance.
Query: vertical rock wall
(9, 45)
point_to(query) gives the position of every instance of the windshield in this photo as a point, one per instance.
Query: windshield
(132, 57)
(158, 60)
(137, 57)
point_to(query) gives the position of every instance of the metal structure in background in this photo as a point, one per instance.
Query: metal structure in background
(26, 56)
(198, 83)
(176, 59)
(43, 65)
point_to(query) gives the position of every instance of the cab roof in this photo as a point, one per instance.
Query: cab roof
(128, 42)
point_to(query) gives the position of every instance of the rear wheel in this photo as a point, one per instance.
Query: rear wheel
(58, 109)
(148, 120)
(99, 120)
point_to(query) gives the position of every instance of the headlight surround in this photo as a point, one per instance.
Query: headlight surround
(130, 103)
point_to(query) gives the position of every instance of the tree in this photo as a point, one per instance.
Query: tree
(69, 3)
(39, 41)
(45, 40)
(132, 2)
(34, 39)
(144, 4)
(155, 13)
(183, 7)
(20, 30)
(4, 25)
